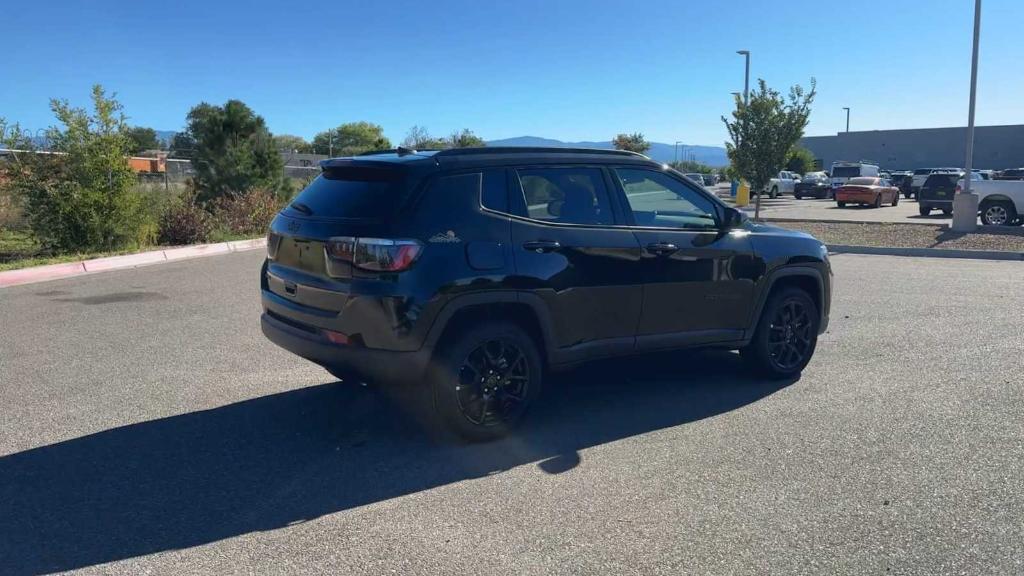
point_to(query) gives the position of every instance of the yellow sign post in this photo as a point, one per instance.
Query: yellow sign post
(743, 194)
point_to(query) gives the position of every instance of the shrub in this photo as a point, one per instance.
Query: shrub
(82, 198)
(247, 212)
(184, 221)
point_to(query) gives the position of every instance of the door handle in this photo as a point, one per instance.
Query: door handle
(542, 246)
(662, 248)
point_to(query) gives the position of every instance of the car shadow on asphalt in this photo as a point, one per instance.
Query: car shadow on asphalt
(282, 459)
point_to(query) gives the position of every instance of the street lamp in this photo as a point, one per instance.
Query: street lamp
(847, 118)
(746, 75)
(965, 204)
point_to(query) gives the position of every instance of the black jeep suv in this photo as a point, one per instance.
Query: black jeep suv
(466, 274)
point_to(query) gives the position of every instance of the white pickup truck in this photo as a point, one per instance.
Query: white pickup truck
(783, 183)
(1000, 202)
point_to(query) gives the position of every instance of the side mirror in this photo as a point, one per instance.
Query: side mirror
(733, 218)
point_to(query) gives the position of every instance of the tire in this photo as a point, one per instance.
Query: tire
(947, 211)
(896, 199)
(841, 204)
(878, 201)
(998, 213)
(924, 210)
(798, 196)
(475, 377)
(774, 193)
(786, 335)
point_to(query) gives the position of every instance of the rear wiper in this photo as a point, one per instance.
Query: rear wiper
(299, 206)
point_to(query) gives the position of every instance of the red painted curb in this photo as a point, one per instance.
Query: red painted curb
(40, 273)
(56, 271)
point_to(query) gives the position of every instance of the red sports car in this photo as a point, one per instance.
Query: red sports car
(868, 191)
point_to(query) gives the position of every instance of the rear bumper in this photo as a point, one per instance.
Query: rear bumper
(856, 198)
(378, 366)
(931, 203)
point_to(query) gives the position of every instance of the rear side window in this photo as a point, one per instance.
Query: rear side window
(565, 195)
(494, 191)
(349, 193)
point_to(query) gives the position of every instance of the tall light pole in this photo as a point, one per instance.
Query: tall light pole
(847, 118)
(675, 155)
(965, 204)
(746, 75)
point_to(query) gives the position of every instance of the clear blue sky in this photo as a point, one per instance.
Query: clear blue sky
(572, 70)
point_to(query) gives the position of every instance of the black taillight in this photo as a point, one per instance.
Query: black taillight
(273, 243)
(374, 254)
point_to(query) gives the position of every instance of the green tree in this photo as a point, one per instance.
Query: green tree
(687, 166)
(182, 145)
(142, 139)
(419, 139)
(465, 139)
(634, 142)
(289, 143)
(351, 139)
(764, 130)
(234, 151)
(800, 160)
(82, 198)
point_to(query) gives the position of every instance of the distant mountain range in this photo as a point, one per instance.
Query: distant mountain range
(710, 155)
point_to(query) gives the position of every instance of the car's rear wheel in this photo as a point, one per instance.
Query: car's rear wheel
(947, 211)
(798, 196)
(998, 213)
(896, 199)
(786, 334)
(878, 201)
(485, 380)
(774, 193)
(841, 204)
(924, 210)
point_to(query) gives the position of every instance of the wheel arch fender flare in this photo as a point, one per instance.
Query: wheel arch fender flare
(483, 300)
(789, 271)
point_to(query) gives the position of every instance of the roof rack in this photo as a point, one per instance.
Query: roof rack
(532, 150)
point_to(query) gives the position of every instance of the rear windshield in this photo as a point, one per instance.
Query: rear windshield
(845, 171)
(349, 193)
(942, 180)
(922, 171)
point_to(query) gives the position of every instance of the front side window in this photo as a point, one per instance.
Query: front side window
(660, 201)
(566, 195)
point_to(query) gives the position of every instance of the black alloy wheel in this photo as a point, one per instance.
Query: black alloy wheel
(493, 383)
(790, 336)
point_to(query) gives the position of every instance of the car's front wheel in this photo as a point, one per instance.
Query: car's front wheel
(485, 380)
(896, 199)
(786, 334)
(924, 210)
(841, 204)
(774, 193)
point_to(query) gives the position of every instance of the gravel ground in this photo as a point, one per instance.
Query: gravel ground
(910, 235)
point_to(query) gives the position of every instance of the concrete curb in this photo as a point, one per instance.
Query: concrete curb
(70, 269)
(936, 222)
(925, 252)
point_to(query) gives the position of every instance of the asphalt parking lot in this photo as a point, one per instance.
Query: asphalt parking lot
(786, 206)
(147, 427)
